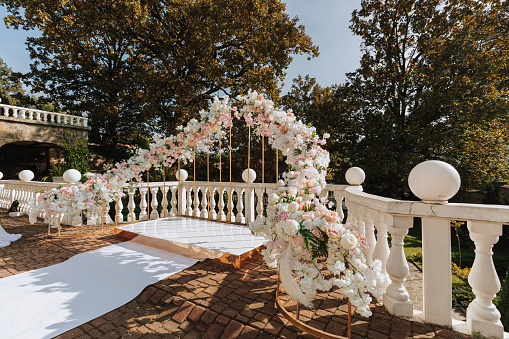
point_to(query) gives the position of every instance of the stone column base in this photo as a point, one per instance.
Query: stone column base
(398, 308)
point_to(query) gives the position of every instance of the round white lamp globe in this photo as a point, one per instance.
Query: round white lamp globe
(355, 176)
(434, 181)
(72, 176)
(249, 175)
(181, 175)
(1, 175)
(26, 175)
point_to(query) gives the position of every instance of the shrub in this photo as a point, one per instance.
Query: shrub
(462, 295)
(502, 302)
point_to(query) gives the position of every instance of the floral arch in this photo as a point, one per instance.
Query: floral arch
(303, 236)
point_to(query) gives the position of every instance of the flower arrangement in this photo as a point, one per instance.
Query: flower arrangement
(304, 237)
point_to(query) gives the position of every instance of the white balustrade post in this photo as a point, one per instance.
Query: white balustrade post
(213, 214)
(381, 251)
(119, 217)
(222, 216)
(197, 202)
(396, 299)
(482, 316)
(154, 214)
(205, 203)
(173, 201)
(189, 210)
(338, 196)
(436, 266)
(231, 215)
(182, 201)
(164, 202)
(370, 234)
(143, 203)
(239, 218)
(131, 216)
(259, 206)
(435, 182)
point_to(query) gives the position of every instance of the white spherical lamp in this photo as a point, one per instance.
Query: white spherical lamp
(249, 175)
(72, 176)
(181, 175)
(1, 175)
(26, 175)
(434, 181)
(355, 176)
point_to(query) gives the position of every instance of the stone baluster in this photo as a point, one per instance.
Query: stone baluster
(370, 233)
(222, 215)
(164, 201)
(381, 251)
(31, 115)
(38, 116)
(197, 211)
(154, 214)
(212, 213)
(482, 316)
(396, 299)
(119, 206)
(240, 218)
(15, 113)
(338, 196)
(6, 111)
(231, 205)
(182, 201)
(84, 120)
(143, 204)
(189, 210)
(106, 214)
(205, 203)
(131, 216)
(259, 205)
(173, 202)
(91, 218)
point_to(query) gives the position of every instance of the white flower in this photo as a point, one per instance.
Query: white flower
(293, 207)
(291, 227)
(349, 241)
(273, 199)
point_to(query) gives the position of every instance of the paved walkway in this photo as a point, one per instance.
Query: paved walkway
(203, 301)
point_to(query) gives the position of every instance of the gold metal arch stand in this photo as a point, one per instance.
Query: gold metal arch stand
(83, 231)
(294, 319)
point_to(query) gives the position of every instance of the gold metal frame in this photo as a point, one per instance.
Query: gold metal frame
(294, 320)
(96, 228)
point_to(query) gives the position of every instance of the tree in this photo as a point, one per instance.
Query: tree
(432, 75)
(9, 85)
(149, 65)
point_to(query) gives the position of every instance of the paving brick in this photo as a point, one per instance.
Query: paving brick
(214, 332)
(196, 314)
(183, 312)
(232, 330)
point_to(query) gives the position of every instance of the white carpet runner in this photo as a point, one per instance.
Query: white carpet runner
(6, 238)
(52, 300)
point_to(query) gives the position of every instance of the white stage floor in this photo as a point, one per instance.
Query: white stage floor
(212, 239)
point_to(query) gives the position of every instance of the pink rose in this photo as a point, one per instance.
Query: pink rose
(283, 215)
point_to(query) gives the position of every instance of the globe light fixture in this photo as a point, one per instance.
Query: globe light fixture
(355, 176)
(434, 181)
(249, 175)
(26, 175)
(181, 175)
(72, 176)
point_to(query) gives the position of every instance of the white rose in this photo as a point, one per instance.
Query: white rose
(273, 199)
(293, 207)
(349, 241)
(292, 191)
(308, 224)
(291, 227)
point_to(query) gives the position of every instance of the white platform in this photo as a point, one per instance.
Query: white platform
(199, 239)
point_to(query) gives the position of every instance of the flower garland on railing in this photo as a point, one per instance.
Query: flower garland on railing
(304, 237)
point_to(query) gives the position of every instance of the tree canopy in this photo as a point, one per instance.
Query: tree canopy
(432, 84)
(146, 65)
(9, 85)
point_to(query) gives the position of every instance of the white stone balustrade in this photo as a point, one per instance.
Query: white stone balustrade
(21, 113)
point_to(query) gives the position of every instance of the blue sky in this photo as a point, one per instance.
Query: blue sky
(326, 22)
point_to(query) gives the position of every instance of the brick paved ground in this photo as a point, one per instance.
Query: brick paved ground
(203, 301)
